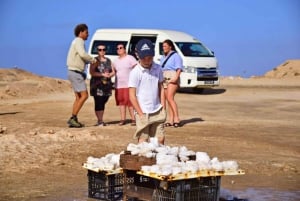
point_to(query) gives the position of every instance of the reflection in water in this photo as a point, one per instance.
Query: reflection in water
(252, 194)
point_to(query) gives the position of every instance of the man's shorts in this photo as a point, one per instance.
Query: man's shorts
(77, 81)
(150, 125)
(122, 97)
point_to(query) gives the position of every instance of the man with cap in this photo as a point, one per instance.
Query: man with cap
(147, 95)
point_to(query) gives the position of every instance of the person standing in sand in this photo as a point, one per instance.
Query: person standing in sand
(171, 64)
(100, 83)
(122, 67)
(76, 60)
(147, 94)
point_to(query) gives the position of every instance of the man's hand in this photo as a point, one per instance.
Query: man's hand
(94, 61)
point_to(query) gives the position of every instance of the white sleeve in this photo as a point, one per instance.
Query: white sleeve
(133, 78)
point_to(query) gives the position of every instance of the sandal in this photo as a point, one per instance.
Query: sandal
(122, 122)
(176, 125)
(133, 123)
(168, 124)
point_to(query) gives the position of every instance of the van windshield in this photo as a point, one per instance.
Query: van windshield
(194, 49)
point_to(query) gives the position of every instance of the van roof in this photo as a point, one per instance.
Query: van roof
(171, 34)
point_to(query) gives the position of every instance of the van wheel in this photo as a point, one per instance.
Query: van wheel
(198, 90)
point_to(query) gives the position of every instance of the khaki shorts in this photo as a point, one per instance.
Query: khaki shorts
(168, 75)
(150, 125)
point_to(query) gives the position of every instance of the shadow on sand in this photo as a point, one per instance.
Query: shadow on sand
(188, 121)
(208, 91)
(182, 122)
(7, 113)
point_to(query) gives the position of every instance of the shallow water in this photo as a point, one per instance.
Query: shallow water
(250, 194)
(254, 194)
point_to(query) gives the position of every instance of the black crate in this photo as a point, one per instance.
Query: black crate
(199, 189)
(105, 186)
(140, 189)
(140, 180)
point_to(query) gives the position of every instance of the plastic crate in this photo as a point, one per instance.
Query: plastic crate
(140, 189)
(105, 186)
(199, 189)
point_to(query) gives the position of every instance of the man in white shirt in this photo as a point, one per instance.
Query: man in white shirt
(146, 94)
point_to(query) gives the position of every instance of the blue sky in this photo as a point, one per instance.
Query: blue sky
(249, 37)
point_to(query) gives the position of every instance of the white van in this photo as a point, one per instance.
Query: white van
(200, 64)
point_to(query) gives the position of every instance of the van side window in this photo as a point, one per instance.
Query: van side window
(135, 39)
(111, 46)
(194, 49)
(161, 52)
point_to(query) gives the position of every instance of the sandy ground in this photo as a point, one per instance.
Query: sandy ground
(253, 121)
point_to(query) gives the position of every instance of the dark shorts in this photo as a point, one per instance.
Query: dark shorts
(122, 97)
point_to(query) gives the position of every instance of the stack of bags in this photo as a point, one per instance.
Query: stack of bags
(169, 160)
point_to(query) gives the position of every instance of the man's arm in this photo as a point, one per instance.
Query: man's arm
(82, 53)
(134, 101)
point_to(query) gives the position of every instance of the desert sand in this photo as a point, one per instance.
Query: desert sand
(254, 121)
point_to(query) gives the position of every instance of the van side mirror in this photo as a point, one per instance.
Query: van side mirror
(213, 52)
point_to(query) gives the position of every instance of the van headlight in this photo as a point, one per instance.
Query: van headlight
(189, 69)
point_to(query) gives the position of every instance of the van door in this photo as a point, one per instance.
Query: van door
(135, 39)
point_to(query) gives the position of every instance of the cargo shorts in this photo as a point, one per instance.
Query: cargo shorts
(150, 125)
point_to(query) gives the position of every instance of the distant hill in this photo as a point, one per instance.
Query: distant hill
(18, 83)
(290, 68)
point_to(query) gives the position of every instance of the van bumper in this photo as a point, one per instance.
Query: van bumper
(191, 80)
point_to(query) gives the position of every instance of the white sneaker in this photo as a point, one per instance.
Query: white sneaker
(100, 124)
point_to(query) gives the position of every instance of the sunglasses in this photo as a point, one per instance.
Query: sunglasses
(101, 50)
(119, 48)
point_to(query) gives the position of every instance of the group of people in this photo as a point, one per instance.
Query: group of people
(101, 84)
(147, 89)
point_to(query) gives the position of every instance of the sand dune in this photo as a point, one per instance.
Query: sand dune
(18, 83)
(289, 69)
